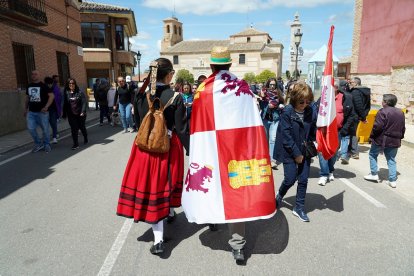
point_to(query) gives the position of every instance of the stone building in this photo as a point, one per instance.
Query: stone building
(383, 50)
(106, 30)
(295, 27)
(251, 51)
(37, 34)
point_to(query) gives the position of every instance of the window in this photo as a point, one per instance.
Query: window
(24, 63)
(168, 29)
(63, 66)
(175, 29)
(248, 39)
(242, 59)
(120, 38)
(179, 31)
(175, 59)
(93, 35)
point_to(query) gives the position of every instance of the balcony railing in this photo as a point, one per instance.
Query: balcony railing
(30, 11)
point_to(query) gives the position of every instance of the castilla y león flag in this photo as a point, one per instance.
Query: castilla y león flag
(230, 176)
(327, 133)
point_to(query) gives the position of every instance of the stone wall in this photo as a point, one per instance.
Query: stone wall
(12, 119)
(400, 82)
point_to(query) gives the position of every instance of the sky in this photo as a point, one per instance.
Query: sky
(218, 19)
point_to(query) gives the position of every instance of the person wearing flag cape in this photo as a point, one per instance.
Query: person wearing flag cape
(229, 179)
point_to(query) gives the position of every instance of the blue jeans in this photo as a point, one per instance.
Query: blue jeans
(344, 146)
(125, 112)
(327, 166)
(38, 119)
(271, 128)
(353, 147)
(293, 172)
(390, 154)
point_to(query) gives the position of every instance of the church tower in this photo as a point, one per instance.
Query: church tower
(296, 26)
(173, 33)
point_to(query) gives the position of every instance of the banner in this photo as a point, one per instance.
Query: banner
(230, 176)
(327, 133)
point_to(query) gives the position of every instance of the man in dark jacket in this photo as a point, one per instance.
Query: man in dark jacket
(361, 97)
(386, 135)
(350, 121)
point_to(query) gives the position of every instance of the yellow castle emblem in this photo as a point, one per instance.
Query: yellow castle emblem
(249, 172)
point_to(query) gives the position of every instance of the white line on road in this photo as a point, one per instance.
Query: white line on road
(115, 249)
(362, 193)
(29, 151)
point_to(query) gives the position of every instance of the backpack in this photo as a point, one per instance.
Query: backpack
(152, 134)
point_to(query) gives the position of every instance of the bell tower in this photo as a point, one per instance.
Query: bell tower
(295, 26)
(173, 33)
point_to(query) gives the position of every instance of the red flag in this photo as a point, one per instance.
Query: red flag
(327, 133)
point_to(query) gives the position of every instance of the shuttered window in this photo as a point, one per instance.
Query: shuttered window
(24, 63)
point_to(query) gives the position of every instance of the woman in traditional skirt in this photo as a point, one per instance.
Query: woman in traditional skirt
(153, 182)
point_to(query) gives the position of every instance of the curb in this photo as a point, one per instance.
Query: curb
(30, 142)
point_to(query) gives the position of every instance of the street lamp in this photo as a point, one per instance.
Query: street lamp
(298, 37)
(139, 66)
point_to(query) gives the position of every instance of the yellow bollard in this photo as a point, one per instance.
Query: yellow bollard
(364, 129)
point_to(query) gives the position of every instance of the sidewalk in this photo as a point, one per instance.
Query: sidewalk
(409, 136)
(22, 138)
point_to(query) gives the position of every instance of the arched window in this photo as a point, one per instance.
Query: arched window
(168, 29)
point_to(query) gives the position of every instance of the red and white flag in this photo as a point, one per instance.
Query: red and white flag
(230, 176)
(327, 133)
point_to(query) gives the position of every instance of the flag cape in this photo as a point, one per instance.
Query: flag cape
(327, 133)
(230, 176)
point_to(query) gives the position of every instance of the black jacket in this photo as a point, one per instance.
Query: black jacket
(292, 132)
(175, 114)
(361, 97)
(74, 103)
(389, 128)
(350, 123)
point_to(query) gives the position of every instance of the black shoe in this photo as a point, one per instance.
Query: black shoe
(74, 147)
(238, 255)
(157, 248)
(170, 219)
(213, 227)
(85, 141)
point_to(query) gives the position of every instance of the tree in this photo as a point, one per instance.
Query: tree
(265, 75)
(250, 77)
(184, 75)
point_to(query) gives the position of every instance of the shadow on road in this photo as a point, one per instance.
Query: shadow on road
(268, 236)
(318, 202)
(40, 165)
(314, 172)
(174, 233)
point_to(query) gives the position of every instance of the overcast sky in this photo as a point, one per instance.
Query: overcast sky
(218, 19)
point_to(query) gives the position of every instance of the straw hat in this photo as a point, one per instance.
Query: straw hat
(220, 55)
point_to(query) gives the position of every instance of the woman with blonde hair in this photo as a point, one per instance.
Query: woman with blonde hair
(297, 127)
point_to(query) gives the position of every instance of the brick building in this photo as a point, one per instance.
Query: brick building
(105, 36)
(383, 50)
(36, 34)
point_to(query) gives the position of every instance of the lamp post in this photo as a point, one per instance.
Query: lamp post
(298, 37)
(139, 66)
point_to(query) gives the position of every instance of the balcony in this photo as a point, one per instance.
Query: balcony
(28, 11)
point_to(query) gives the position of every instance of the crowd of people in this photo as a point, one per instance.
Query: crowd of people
(153, 182)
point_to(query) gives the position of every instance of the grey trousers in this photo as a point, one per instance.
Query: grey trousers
(237, 235)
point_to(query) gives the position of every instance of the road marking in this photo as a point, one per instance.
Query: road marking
(115, 249)
(362, 193)
(29, 151)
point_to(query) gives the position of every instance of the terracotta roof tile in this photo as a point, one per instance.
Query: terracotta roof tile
(84, 6)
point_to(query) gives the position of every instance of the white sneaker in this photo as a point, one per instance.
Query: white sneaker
(371, 177)
(331, 177)
(322, 180)
(392, 184)
(54, 141)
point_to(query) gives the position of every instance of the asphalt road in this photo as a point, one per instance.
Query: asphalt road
(57, 214)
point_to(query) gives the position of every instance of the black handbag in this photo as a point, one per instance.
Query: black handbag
(310, 149)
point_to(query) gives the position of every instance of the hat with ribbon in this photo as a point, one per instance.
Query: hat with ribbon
(220, 55)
